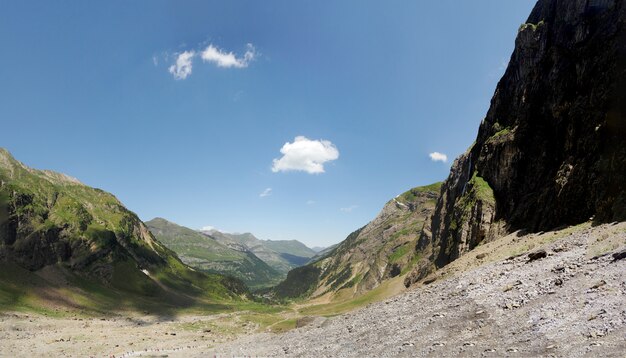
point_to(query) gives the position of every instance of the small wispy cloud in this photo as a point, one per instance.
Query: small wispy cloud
(349, 209)
(305, 155)
(266, 192)
(183, 65)
(181, 69)
(228, 59)
(208, 228)
(438, 157)
(310, 202)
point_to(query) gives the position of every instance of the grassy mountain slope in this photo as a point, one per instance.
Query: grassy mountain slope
(53, 226)
(281, 255)
(381, 250)
(207, 254)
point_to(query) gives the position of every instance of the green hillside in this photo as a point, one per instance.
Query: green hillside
(379, 251)
(55, 229)
(204, 253)
(281, 255)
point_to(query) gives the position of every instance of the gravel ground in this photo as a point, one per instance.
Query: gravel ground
(566, 304)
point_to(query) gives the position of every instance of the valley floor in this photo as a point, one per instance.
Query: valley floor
(491, 302)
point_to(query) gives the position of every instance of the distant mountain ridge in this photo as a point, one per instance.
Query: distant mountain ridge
(205, 253)
(281, 255)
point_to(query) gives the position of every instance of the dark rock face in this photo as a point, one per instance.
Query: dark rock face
(536, 255)
(552, 148)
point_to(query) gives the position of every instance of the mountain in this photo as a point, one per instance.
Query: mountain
(381, 250)
(281, 255)
(317, 249)
(207, 254)
(552, 149)
(57, 234)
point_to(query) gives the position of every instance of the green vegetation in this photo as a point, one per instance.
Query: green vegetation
(281, 255)
(531, 26)
(206, 254)
(290, 247)
(481, 189)
(383, 291)
(412, 195)
(399, 253)
(299, 282)
(99, 255)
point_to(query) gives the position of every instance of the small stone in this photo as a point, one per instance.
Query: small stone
(512, 350)
(536, 255)
(558, 282)
(559, 268)
(468, 344)
(438, 344)
(619, 255)
(481, 256)
(489, 350)
(598, 285)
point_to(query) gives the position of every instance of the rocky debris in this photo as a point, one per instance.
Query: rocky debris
(619, 255)
(536, 255)
(470, 315)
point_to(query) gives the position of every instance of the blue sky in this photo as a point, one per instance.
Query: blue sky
(86, 89)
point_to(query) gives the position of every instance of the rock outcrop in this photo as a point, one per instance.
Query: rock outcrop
(552, 149)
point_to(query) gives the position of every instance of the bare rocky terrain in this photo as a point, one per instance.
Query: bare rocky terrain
(494, 301)
(569, 303)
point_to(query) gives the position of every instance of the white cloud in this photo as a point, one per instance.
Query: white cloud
(208, 228)
(305, 155)
(266, 192)
(228, 59)
(438, 157)
(349, 208)
(182, 68)
(310, 202)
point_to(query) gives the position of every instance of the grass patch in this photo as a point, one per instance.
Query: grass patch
(399, 253)
(385, 290)
(531, 26)
(411, 195)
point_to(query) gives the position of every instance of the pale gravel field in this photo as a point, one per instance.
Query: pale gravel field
(567, 304)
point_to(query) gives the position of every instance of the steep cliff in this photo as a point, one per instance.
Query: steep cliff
(551, 150)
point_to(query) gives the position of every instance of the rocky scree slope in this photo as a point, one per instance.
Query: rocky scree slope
(49, 220)
(380, 250)
(206, 254)
(569, 303)
(552, 149)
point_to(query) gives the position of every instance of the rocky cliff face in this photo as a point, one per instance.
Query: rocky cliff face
(552, 149)
(380, 250)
